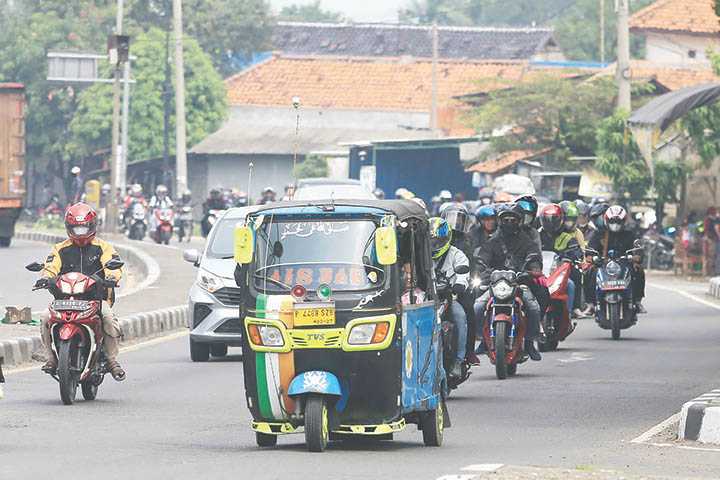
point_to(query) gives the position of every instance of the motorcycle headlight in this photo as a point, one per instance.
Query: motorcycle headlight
(475, 282)
(208, 281)
(502, 290)
(613, 268)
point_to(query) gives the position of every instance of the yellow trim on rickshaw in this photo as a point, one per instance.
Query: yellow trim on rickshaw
(381, 429)
(275, 428)
(390, 319)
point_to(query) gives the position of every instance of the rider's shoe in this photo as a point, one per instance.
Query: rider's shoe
(50, 366)
(116, 371)
(473, 359)
(639, 308)
(456, 369)
(577, 313)
(481, 350)
(532, 351)
(589, 310)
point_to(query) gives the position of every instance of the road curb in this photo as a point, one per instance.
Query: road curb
(700, 419)
(134, 327)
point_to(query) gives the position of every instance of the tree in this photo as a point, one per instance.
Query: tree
(311, 12)
(314, 166)
(443, 12)
(205, 97)
(548, 112)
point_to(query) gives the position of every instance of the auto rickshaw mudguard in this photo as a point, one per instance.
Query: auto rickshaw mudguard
(315, 381)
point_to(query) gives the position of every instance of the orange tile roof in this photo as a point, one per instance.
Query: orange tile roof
(672, 77)
(693, 16)
(361, 83)
(505, 160)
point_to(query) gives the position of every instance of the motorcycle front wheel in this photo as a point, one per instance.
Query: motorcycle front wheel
(501, 370)
(89, 390)
(67, 378)
(614, 314)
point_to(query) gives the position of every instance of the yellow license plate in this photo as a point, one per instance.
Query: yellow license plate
(310, 316)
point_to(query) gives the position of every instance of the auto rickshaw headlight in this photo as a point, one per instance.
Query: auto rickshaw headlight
(271, 336)
(368, 333)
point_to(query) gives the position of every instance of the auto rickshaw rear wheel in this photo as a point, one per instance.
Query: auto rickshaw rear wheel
(265, 440)
(433, 424)
(317, 425)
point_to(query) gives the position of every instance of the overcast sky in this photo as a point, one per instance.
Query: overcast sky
(358, 10)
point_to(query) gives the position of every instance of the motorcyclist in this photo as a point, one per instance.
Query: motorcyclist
(556, 238)
(616, 237)
(510, 248)
(267, 196)
(185, 199)
(485, 226)
(135, 195)
(446, 259)
(160, 200)
(214, 201)
(529, 206)
(583, 221)
(83, 252)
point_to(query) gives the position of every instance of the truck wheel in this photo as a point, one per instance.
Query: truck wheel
(199, 352)
(5, 242)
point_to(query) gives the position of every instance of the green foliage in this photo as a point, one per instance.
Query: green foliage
(668, 177)
(314, 166)
(561, 114)
(444, 12)
(309, 12)
(619, 157)
(90, 129)
(702, 125)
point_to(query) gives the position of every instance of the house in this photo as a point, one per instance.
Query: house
(396, 41)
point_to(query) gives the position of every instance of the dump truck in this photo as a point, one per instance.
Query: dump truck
(12, 158)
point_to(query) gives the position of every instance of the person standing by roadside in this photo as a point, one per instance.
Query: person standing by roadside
(712, 237)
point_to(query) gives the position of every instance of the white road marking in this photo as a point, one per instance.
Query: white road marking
(462, 476)
(645, 437)
(576, 357)
(686, 295)
(483, 467)
(129, 348)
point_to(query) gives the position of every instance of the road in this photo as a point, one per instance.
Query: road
(578, 407)
(17, 290)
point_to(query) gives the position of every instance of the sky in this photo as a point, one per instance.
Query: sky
(358, 10)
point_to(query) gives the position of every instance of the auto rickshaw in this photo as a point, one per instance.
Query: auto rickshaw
(339, 309)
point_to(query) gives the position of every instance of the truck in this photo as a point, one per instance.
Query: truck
(12, 158)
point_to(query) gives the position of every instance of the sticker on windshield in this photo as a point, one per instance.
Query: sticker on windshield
(308, 229)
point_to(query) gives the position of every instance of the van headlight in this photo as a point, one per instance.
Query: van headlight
(502, 290)
(209, 282)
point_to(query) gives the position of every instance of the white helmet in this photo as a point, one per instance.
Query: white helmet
(615, 217)
(161, 190)
(136, 189)
(445, 196)
(75, 170)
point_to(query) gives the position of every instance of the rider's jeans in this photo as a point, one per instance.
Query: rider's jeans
(532, 309)
(459, 319)
(571, 295)
(111, 328)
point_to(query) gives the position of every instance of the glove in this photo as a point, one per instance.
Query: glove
(458, 289)
(42, 283)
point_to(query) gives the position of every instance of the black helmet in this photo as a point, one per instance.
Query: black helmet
(509, 218)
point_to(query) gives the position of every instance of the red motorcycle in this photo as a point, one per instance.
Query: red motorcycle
(76, 329)
(556, 321)
(164, 220)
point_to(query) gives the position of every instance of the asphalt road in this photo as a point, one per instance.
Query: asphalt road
(578, 407)
(16, 284)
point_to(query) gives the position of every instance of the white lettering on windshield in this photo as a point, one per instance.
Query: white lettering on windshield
(308, 229)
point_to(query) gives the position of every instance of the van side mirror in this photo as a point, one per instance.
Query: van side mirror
(386, 245)
(244, 244)
(192, 256)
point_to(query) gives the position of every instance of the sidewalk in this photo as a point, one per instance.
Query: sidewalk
(698, 287)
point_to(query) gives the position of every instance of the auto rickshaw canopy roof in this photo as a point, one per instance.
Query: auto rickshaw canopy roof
(402, 209)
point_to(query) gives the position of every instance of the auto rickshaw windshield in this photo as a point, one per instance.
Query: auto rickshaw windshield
(339, 253)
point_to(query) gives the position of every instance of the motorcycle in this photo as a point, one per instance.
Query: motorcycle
(659, 252)
(164, 225)
(505, 322)
(76, 330)
(448, 334)
(614, 308)
(208, 221)
(136, 222)
(184, 223)
(556, 322)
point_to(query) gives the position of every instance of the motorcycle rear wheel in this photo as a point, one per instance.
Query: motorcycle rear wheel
(501, 370)
(67, 380)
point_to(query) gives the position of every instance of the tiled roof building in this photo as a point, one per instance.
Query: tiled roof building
(684, 16)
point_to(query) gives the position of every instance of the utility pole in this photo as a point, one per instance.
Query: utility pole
(434, 87)
(623, 56)
(602, 31)
(167, 87)
(122, 174)
(115, 161)
(180, 153)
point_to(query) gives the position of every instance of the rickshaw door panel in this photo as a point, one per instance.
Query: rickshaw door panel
(420, 355)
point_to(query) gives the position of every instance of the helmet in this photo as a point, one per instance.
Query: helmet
(456, 215)
(404, 193)
(81, 223)
(215, 192)
(570, 215)
(615, 218)
(379, 194)
(485, 212)
(529, 206)
(268, 190)
(420, 202)
(440, 236)
(445, 196)
(136, 190)
(509, 219)
(551, 218)
(583, 212)
(106, 188)
(161, 190)
(597, 213)
(75, 170)
(186, 196)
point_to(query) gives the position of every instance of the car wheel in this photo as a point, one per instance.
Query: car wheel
(218, 350)
(199, 352)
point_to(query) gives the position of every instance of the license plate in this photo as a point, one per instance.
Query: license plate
(317, 314)
(76, 305)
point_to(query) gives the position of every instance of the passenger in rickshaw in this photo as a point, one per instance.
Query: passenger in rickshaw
(446, 260)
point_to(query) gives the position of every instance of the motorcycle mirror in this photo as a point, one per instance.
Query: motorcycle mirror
(35, 267)
(637, 243)
(597, 260)
(192, 256)
(114, 264)
(462, 269)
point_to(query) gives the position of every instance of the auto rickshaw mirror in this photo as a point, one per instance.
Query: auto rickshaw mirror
(244, 244)
(386, 245)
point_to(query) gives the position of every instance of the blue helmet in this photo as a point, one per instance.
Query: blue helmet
(486, 211)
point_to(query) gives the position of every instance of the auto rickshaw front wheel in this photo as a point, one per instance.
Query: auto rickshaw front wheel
(317, 425)
(265, 440)
(433, 424)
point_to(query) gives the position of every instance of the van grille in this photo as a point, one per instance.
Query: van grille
(229, 295)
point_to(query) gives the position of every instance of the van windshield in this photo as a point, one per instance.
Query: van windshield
(340, 254)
